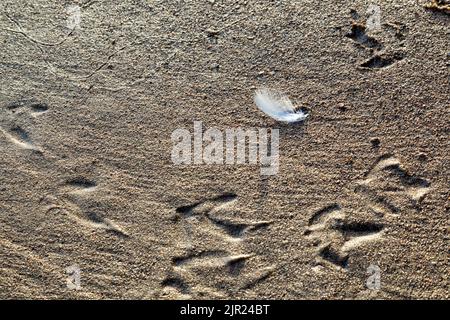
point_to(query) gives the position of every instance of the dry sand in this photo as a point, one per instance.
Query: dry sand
(86, 177)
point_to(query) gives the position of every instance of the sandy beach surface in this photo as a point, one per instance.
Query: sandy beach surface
(92, 205)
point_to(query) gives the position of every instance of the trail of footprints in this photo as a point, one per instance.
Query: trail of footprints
(225, 254)
(74, 191)
(386, 189)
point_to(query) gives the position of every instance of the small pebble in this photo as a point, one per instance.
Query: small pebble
(422, 156)
(375, 142)
(342, 107)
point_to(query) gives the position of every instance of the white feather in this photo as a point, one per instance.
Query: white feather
(277, 105)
